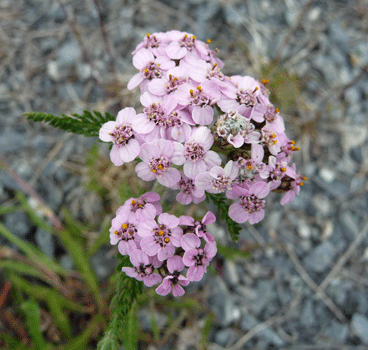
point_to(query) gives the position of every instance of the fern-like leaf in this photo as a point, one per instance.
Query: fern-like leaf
(223, 205)
(87, 124)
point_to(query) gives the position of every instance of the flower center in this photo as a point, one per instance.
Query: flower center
(199, 98)
(126, 232)
(122, 134)
(173, 83)
(252, 203)
(159, 165)
(188, 42)
(186, 187)
(151, 41)
(271, 112)
(194, 151)
(137, 204)
(247, 97)
(221, 183)
(162, 235)
(152, 71)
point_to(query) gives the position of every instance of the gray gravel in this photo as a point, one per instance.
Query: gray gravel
(43, 67)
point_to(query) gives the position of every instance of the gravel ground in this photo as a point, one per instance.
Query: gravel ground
(305, 285)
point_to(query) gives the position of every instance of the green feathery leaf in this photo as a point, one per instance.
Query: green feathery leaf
(127, 291)
(223, 205)
(87, 124)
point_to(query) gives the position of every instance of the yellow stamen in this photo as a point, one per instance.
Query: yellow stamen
(301, 184)
(250, 167)
(304, 178)
(148, 35)
(116, 232)
(185, 35)
(154, 170)
(194, 37)
(124, 226)
(208, 41)
(146, 71)
(191, 91)
(265, 81)
(167, 240)
(292, 142)
(199, 88)
(132, 202)
(277, 110)
(274, 142)
(160, 233)
(160, 166)
(283, 169)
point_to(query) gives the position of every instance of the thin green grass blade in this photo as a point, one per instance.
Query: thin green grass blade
(58, 314)
(31, 252)
(32, 312)
(131, 329)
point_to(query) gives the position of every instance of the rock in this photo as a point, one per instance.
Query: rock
(265, 293)
(359, 326)
(69, 54)
(144, 317)
(321, 257)
(66, 262)
(271, 337)
(45, 241)
(231, 274)
(17, 223)
(248, 321)
(307, 316)
(337, 331)
(102, 263)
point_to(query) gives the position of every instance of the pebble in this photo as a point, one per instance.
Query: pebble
(320, 258)
(45, 242)
(359, 326)
(17, 223)
(337, 331)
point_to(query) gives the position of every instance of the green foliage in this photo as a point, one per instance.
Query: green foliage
(87, 124)
(127, 291)
(231, 253)
(223, 205)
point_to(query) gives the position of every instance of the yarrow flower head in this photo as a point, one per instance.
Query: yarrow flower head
(199, 132)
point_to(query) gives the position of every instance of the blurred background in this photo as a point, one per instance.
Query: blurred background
(297, 280)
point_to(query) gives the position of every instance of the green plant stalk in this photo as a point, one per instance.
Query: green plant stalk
(32, 312)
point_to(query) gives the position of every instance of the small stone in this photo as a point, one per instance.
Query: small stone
(337, 331)
(230, 272)
(69, 54)
(248, 322)
(17, 223)
(66, 262)
(271, 337)
(327, 174)
(321, 257)
(307, 316)
(322, 204)
(53, 70)
(45, 241)
(359, 326)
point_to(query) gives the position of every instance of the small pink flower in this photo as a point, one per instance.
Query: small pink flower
(196, 258)
(250, 204)
(199, 227)
(143, 269)
(146, 206)
(124, 231)
(157, 157)
(149, 67)
(122, 133)
(244, 99)
(217, 179)
(161, 238)
(175, 280)
(188, 191)
(201, 100)
(197, 153)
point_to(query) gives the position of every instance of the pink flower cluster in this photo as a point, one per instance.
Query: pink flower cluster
(191, 114)
(160, 246)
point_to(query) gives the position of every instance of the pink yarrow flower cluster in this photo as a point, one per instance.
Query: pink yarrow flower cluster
(191, 114)
(161, 246)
